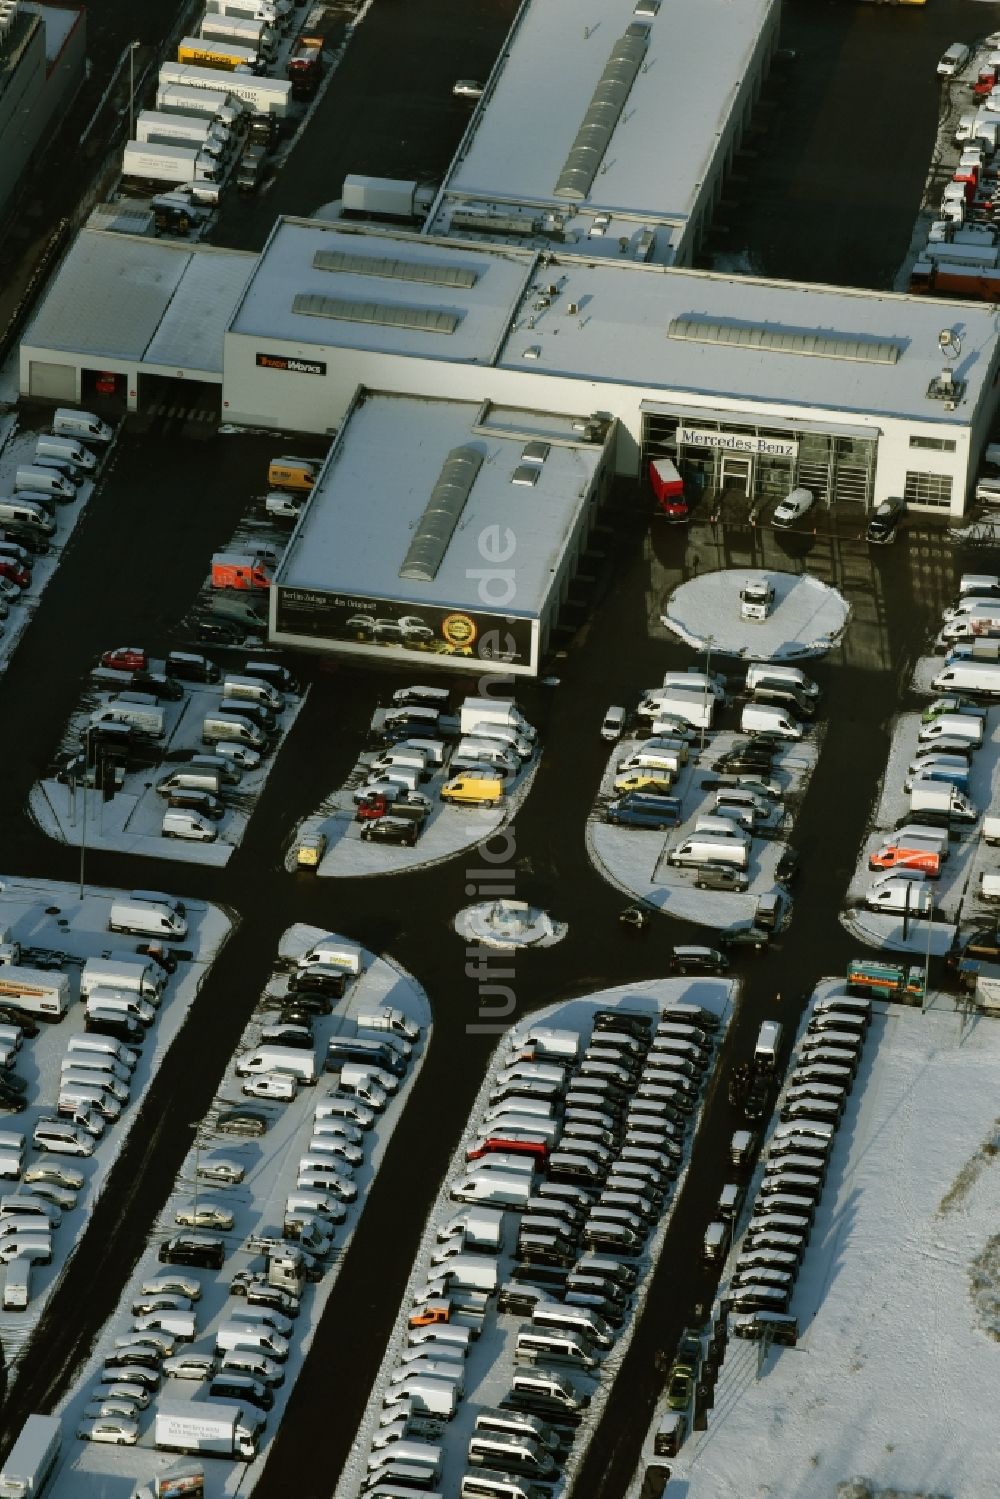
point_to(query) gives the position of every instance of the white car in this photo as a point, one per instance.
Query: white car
(276, 1085)
(118, 1430)
(205, 1215)
(221, 1167)
(953, 61)
(60, 1176)
(113, 1405)
(614, 724)
(122, 1389)
(190, 1366)
(160, 1302)
(339, 1149)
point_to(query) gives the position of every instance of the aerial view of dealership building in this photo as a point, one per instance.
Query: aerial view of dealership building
(547, 300)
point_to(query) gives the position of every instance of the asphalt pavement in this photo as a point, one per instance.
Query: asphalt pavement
(133, 569)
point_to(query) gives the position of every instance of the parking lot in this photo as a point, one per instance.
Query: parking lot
(59, 934)
(901, 1243)
(236, 1187)
(525, 1272)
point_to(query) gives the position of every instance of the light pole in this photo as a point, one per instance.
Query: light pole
(196, 1126)
(132, 48)
(83, 831)
(709, 642)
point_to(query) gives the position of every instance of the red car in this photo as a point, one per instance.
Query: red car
(125, 658)
(371, 808)
(15, 572)
(106, 383)
(537, 1148)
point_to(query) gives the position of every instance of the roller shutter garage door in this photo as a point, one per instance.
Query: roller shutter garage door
(52, 382)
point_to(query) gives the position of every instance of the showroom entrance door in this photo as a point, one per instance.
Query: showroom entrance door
(735, 474)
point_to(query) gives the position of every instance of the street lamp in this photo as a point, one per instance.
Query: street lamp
(709, 642)
(83, 832)
(196, 1126)
(132, 48)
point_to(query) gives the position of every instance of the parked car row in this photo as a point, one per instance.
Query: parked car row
(584, 1144)
(758, 1296)
(471, 756)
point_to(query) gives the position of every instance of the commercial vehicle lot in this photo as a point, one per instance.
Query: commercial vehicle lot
(412, 771)
(57, 929)
(258, 1204)
(903, 1234)
(160, 765)
(506, 1261)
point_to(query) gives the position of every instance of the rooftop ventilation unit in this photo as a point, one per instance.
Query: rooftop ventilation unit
(647, 8)
(535, 452)
(429, 272)
(8, 16)
(945, 388)
(587, 151)
(494, 223)
(526, 474)
(786, 340)
(382, 314)
(436, 526)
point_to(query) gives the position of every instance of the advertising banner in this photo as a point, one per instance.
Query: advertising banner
(435, 630)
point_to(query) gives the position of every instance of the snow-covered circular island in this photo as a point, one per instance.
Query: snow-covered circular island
(804, 618)
(508, 924)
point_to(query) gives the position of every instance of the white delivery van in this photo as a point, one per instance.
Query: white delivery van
(27, 513)
(65, 450)
(83, 425)
(229, 728)
(764, 674)
(898, 895)
(979, 677)
(333, 954)
(952, 726)
(288, 1059)
(178, 823)
(761, 718)
(44, 481)
(254, 690)
(706, 848)
(698, 682)
(493, 1188)
(979, 584)
(144, 919)
(988, 492)
(17, 1286)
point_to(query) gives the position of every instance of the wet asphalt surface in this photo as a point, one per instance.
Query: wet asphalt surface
(141, 552)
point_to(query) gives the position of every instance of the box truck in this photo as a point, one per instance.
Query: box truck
(130, 975)
(139, 710)
(177, 164)
(938, 796)
(226, 57)
(210, 1430)
(204, 133)
(262, 96)
(206, 104)
(244, 31)
(482, 710)
(31, 1459)
(36, 991)
(305, 66)
(275, 12)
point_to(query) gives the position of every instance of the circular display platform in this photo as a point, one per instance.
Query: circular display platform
(804, 618)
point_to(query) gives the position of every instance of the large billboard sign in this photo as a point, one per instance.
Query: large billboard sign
(426, 628)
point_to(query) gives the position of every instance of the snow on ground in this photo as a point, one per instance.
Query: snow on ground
(448, 829)
(89, 1469)
(17, 446)
(509, 924)
(924, 673)
(131, 821)
(808, 617)
(957, 99)
(897, 1296)
(955, 894)
(635, 859)
(490, 1360)
(50, 919)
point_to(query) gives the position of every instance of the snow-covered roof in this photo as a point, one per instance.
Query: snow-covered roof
(59, 21)
(391, 454)
(191, 334)
(322, 284)
(121, 296)
(774, 342)
(688, 72)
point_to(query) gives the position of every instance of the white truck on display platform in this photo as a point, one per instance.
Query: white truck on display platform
(37, 991)
(214, 1430)
(31, 1459)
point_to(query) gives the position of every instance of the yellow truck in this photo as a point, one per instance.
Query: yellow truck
(197, 52)
(296, 474)
(473, 791)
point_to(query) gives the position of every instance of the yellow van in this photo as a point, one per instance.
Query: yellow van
(292, 473)
(644, 780)
(475, 791)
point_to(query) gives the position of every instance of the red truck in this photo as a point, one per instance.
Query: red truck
(234, 570)
(305, 66)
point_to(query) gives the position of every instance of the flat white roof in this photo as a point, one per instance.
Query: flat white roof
(619, 333)
(664, 141)
(59, 22)
(387, 298)
(129, 297)
(355, 532)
